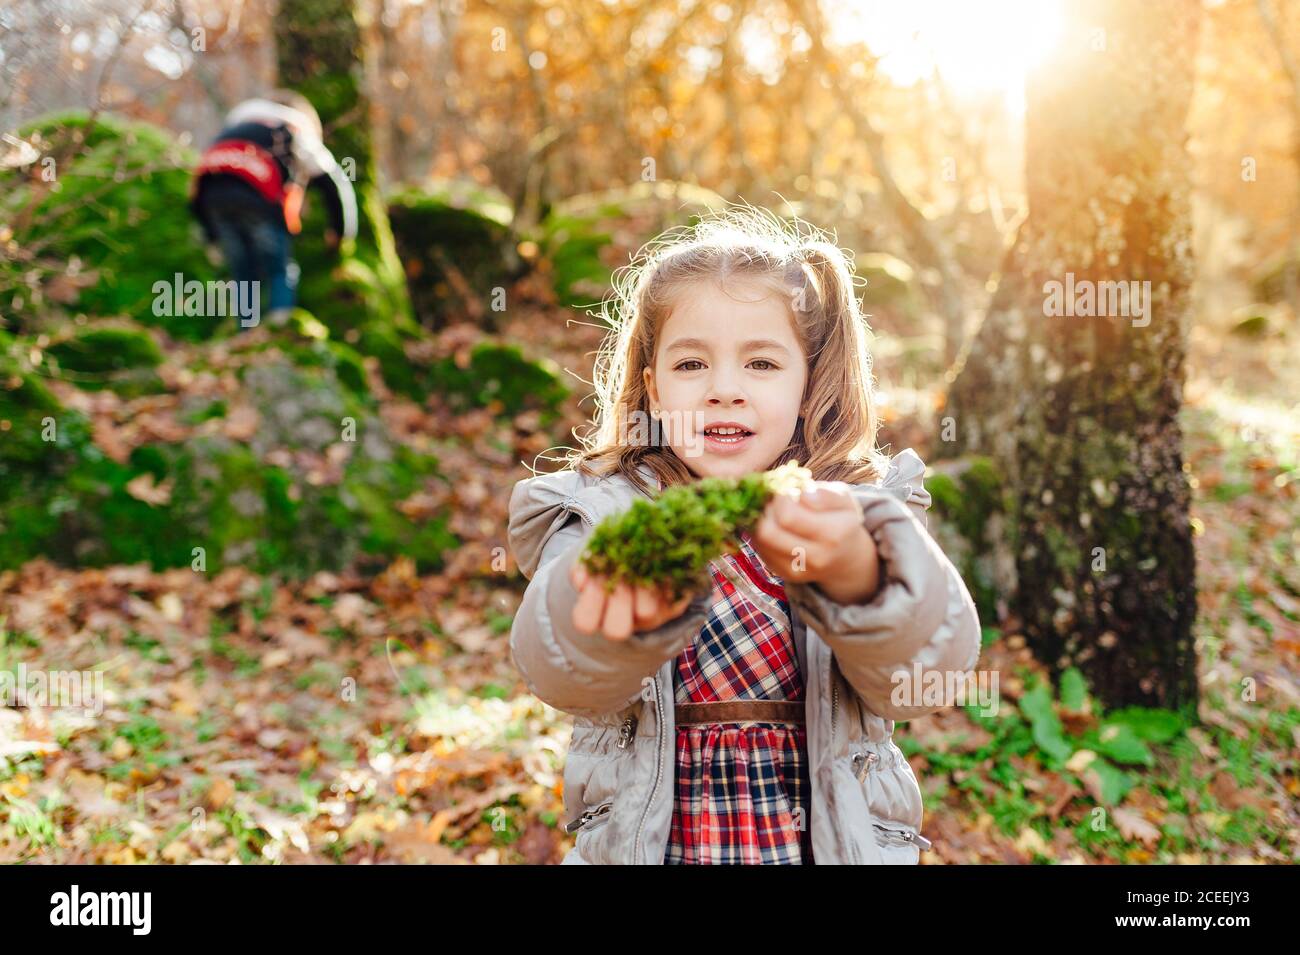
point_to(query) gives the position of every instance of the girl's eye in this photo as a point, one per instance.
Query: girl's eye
(695, 361)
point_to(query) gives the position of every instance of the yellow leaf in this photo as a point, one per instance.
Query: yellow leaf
(1214, 821)
(142, 488)
(275, 658)
(1134, 826)
(1080, 761)
(169, 604)
(1030, 842)
(16, 788)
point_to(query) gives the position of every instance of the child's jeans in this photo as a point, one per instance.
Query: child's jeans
(256, 247)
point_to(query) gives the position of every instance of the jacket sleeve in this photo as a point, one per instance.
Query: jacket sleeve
(340, 200)
(326, 176)
(583, 674)
(921, 615)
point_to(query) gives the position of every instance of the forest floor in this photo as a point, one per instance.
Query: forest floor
(379, 719)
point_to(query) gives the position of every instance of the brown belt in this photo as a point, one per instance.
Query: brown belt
(740, 711)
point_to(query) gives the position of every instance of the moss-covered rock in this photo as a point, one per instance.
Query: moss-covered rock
(26, 406)
(112, 224)
(120, 356)
(501, 373)
(456, 247)
(583, 239)
(318, 484)
(104, 349)
(496, 375)
(307, 344)
(43, 447)
(386, 343)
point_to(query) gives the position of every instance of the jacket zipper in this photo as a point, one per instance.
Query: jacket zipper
(835, 699)
(866, 759)
(830, 803)
(588, 815)
(906, 835)
(624, 737)
(626, 732)
(659, 765)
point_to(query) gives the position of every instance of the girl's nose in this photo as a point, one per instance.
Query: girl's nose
(724, 398)
(724, 388)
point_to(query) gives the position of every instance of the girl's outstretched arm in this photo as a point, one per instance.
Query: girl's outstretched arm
(921, 613)
(583, 674)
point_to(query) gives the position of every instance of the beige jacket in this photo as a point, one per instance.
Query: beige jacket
(618, 785)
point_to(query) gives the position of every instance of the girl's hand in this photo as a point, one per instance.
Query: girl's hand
(818, 537)
(619, 614)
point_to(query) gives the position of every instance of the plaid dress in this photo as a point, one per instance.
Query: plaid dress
(742, 790)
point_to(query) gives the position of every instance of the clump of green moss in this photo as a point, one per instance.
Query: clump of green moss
(500, 372)
(116, 212)
(668, 542)
(119, 356)
(455, 241)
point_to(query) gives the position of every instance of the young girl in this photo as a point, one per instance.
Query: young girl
(752, 722)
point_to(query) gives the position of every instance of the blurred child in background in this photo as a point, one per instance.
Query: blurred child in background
(250, 185)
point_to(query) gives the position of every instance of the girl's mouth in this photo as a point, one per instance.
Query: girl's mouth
(727, 440)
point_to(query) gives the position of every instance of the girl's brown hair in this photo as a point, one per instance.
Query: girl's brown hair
(835, 436)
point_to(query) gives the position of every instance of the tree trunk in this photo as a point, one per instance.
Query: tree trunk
(1077, 399)
(320, 53)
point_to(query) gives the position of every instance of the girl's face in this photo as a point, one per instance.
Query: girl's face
(728, 358)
